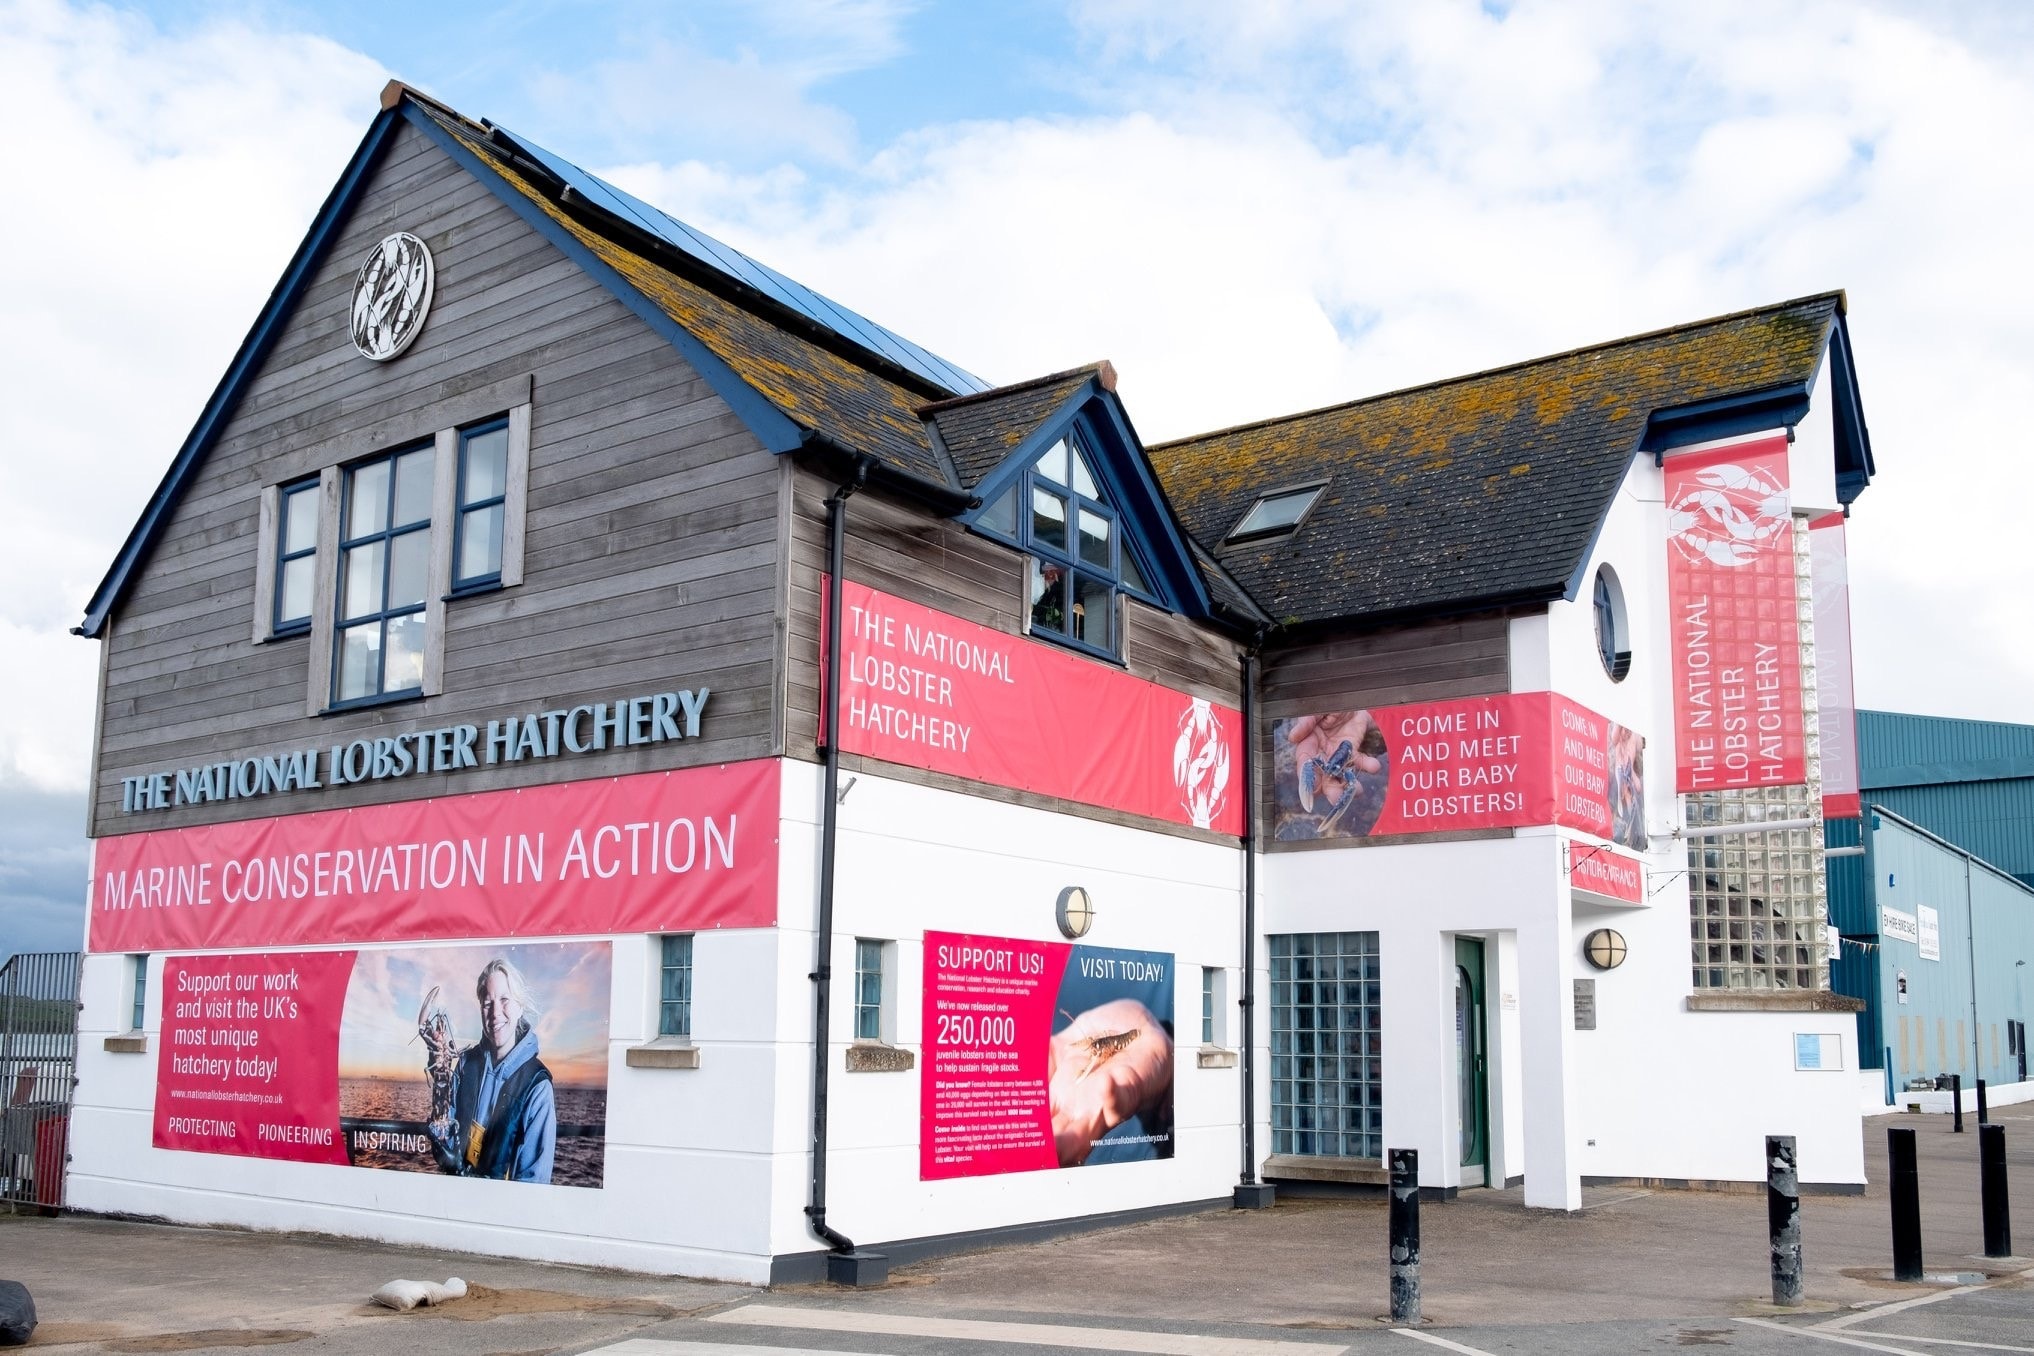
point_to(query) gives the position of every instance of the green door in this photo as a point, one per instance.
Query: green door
(1471, 1038)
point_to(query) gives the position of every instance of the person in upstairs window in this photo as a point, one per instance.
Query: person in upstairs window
(503, 1117)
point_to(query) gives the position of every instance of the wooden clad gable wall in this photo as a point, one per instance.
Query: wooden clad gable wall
(652, 539)
(1432, 661)
(911, 553)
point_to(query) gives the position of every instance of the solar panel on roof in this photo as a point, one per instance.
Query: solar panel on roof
(788, 292)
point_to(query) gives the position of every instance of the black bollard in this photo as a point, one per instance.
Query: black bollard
(1783, 1218)
(1956, 1099)
(1905, 1179)
(1984, 1112)
(1405, 1235)
(1992, 1179)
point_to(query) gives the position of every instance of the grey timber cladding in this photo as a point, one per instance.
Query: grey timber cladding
(651, 535)
(935, 562)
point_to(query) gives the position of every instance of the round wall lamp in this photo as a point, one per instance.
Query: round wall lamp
(1075, 913)
(1604, 948)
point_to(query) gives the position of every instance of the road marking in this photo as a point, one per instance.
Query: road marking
(1898, 1306)
(1952, 1342)
(657, 1346)
(1830, 1336)
(1440, 1342)
(1032, 1334)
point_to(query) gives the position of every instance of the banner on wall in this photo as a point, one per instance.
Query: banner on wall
(929, 690)
(472, 1061)
(1836, 704)
(1043, 1055)
(1735, 634)
(1606, 873)
(653, 852)
(1502, 761)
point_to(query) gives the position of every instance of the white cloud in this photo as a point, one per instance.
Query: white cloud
(152, 189)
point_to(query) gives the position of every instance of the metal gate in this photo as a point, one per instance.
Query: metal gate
(38, 1063)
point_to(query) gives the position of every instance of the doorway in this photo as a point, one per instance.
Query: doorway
(1472, 1062)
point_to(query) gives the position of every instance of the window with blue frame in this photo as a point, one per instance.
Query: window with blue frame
(296, 557)
(674, 1004)
(1058, 512)
(483, 496)
(384, 575)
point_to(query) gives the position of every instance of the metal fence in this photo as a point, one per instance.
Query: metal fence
(38, 1064)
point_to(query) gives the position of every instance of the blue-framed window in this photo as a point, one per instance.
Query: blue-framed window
(868, 990)
(674, 1004)
(1058, 512)
(483, 499)
(296, 557)
(140, 963)
(384, 575)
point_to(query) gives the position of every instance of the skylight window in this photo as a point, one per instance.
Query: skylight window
(1275, 513)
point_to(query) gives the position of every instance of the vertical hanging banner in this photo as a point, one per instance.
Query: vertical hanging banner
(1043, 1055)
(1733, 619)
(928, 690)
(1836, 705)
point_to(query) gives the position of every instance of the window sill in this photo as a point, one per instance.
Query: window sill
(474, 590)
(132, 1043)
(414, 694)
(277, 637)
(1772, 1000)
(1350, 1171)
(876, 1057)
(664, 1052)
(1215, 1057)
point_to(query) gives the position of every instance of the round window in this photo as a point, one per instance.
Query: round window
(1613, 632)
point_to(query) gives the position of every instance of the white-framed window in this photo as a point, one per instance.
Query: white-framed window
(872, 988)
(674, 985)
(138, 1016)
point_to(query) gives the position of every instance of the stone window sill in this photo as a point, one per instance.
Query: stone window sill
(1215, 1057)
(876, 1057)
(664, 1052)
(1772, 1000)
(132, 1043)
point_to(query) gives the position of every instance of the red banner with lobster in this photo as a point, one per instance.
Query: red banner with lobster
(1734, 619)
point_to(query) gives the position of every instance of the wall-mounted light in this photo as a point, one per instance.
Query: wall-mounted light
(1075, 913)
(1604, 948)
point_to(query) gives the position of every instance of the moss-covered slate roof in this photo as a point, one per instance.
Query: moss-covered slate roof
(980, 431)
(1477, 490)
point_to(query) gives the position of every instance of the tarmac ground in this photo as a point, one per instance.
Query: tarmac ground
(1634, 1271)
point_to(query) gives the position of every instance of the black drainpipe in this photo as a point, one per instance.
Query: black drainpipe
(1250, 1193)
(822, 974)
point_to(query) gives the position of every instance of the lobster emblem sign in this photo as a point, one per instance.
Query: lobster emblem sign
(1730, 515)
(1200, 763)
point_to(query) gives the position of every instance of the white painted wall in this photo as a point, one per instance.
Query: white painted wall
(912, 859)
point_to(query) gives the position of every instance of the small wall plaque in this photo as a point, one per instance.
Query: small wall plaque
(1585, 1005)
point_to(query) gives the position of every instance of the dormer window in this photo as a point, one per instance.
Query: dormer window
(1057, 511)
(1275, 514)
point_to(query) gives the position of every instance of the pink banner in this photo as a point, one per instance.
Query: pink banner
(931, 691)
(1607, 873)
(653, 852)
(1734, 624)
(1448, 767)
(1836, 704)
(1043, 1055)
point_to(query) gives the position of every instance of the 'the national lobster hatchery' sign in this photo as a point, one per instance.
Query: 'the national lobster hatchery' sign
(1734, 614)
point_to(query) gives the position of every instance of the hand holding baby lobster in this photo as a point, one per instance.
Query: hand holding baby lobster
(1105, 1066)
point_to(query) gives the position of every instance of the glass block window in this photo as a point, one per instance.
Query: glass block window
(1207, 1006)
(140, 963)
(1758, 901)
(868, 990)
(674, 1007)
(1326, 1051)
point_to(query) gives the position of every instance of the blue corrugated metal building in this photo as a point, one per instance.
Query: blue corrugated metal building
(1937, 913)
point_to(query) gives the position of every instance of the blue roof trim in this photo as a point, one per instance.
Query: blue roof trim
(1729, 416)
(771, 425)
(1854, 465)
(787, 292)
(1129, 486)
(141, 539)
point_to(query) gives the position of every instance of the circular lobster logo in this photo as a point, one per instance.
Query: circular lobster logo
(391, 296)
(1200, 763)
(1730, 516)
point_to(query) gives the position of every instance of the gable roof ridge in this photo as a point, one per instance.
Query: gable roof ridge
(1104, 370)
(1688, 327)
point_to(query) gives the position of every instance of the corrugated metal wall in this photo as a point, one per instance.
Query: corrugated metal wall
(1969, 781)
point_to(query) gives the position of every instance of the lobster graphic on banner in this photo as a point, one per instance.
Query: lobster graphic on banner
(1734, 619)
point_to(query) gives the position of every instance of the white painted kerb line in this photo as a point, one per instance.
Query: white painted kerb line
(1441, 1342)
(1033, 1334)
(1837, 1337)
(658, 1346)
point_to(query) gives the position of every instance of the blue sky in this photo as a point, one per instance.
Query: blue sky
(1249, 208)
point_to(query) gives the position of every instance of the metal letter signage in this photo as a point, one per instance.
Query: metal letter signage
(391, 296)
(1736, 632)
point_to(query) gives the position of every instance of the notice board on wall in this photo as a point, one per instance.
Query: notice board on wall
(469, 1061)
(1042, 1055)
